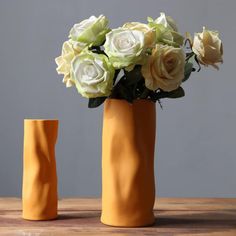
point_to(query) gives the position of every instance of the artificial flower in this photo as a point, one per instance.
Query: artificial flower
(64, 62)
(90, 32)
(92, 74)
(149, 33)
(125, 47)
(208, 47)
(164, 68)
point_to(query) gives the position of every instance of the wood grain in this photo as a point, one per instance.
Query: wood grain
(174, 216)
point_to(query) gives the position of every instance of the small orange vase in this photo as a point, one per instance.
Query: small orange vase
(39, 192)
(128, 143)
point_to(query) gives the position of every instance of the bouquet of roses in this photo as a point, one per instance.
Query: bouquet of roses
(135, 61)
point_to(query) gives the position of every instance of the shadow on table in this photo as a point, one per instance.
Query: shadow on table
(210, 223)
(79, 215)
(224, 219)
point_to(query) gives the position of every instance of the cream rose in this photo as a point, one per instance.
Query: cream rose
(164, 68)
(64, 62)
(149, 33)
(208, 47)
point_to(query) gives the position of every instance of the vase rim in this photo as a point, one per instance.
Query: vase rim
(135, 100)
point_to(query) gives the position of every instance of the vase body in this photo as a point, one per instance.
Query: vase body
(128, 143)
(39, 191)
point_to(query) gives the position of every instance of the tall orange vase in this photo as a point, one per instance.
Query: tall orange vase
(39, 192)
(128, 143)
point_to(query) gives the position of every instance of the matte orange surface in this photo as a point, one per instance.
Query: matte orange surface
(39, 192)
(128, 188)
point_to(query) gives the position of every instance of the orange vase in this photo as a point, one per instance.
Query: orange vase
(39, 192)
(128, 143)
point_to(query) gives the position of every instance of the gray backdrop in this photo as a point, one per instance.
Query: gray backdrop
(195, 149)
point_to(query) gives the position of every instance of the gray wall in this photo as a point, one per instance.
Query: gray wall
(195, 154)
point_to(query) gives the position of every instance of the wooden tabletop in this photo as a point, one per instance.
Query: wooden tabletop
(174, 216)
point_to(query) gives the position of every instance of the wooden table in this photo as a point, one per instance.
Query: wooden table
(174, 216)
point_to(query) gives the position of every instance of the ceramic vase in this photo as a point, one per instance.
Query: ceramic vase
(128, 143)
(39, 191)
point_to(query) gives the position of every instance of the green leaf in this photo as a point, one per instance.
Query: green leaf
(133, 76)
(126, 93)
(95, 102)
(121, 91)
(177, 93)
(145, 93)
(187, 70)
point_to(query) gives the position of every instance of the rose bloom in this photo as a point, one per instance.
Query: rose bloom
(208, 47)
(149, 33)
(125, 47)
(164, 68)
(90, 32)
(92, 74)
(64, 62)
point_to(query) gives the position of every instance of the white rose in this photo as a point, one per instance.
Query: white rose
(164, 68)
(92, 74)
(149, 33)
(208, 47)
(90, 32)
(125, 47)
